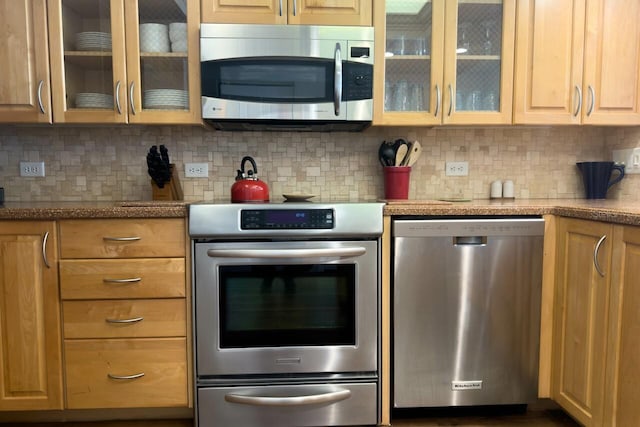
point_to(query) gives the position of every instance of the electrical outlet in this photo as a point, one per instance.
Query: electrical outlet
(31, 168)
(456, 168)
(630, 158)
(196, 170)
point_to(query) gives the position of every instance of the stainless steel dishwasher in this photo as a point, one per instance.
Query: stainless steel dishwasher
(466, 311)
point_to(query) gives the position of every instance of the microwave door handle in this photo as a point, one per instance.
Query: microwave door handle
(330, 397)
(287, 253)
(337, 80)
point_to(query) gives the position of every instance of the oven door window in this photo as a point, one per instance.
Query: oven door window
(292, 305)
(271, 80)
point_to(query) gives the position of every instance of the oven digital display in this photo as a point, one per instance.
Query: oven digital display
(283, 219)
(286, 217)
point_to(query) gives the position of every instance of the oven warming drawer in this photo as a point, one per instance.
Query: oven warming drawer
(306, 405)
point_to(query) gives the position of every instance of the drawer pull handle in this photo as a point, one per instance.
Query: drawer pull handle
(121, 239)
(126, 377)
(132, 280)
(132, 320)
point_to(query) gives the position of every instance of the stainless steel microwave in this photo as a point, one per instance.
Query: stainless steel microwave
(286, 77)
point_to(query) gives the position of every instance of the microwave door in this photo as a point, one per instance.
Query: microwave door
(332, 107)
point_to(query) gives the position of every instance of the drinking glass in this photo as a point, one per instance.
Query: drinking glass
(401, 99)
(488, 29)
(463, 38)
(416, 102)
(474, 101)
(490, 102)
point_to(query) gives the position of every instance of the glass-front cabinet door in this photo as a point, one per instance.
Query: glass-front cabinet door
(124, 61)
(445, 62)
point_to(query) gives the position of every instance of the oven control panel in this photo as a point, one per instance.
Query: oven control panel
(283, 219)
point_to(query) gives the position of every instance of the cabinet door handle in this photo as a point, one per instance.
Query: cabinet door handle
(126, 377)
(579, 94)
(121, 239)
(120, 321)
(438, 100)
(131, 280)
(118, 97)
(44, 249)
(40, 104)
(295, 9)
(133, 105)
(592, 94)
(595, 255)
(450, 101)
(280, 7)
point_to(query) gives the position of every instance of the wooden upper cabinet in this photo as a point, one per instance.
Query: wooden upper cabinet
(296, 12)
(577, 62)
(548, 65)
(30, 341)
(117, 61)
(612, 63)
(444, 62)
(25, 95)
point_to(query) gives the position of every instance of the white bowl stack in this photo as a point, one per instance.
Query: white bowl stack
(94, 100)
(92, 40)
(178, 36)
(165, 99)
(154, 38)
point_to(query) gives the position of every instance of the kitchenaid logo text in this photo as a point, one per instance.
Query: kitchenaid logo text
(466, 385)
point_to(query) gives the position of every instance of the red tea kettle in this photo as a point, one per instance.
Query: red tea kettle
(248, 188)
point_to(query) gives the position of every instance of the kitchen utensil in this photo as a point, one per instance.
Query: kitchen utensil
(400, 154)
(158, 165)
(596, 177)
(248, 188)
(413, 154)
(387, 154)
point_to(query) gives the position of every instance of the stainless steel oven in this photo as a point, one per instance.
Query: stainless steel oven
(286, 300)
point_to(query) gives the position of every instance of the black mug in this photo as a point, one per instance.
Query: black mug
(597, 177)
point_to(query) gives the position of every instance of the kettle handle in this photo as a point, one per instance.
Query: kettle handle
(253, 164)
(620, 169)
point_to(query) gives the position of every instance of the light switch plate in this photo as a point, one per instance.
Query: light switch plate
(630, 158)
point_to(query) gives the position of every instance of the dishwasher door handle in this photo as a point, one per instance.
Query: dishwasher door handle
(470, 241)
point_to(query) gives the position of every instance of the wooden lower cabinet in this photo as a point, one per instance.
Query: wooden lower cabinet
(125, 309)
(596, 345)
(622, 406)
(126, 373)
(580, 318)
(30, 341)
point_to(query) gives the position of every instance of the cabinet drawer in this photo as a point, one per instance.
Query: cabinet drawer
(125, 318)
(91, 363)
(122, 238)
(127, 278)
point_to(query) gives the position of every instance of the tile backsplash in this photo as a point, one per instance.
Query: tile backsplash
(108, 163)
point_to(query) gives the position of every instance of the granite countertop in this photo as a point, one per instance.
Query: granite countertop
(600, 210)
(72, 210)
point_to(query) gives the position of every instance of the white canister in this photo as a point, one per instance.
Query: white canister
(508, 191)
(496, 189)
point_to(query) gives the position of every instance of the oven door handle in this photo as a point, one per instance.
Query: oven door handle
(287, 253)
(331, 397)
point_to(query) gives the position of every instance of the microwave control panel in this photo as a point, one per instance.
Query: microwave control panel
(357, 81)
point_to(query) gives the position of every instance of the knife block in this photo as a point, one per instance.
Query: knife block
(171, 190)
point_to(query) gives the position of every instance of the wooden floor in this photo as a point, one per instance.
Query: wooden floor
(532, 418)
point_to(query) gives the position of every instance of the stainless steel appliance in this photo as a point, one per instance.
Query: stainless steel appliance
(295, 77)
(286, 317)
(466, 311)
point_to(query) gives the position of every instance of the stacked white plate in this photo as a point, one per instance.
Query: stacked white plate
(94, 100)
(154, 38)
(165, 99)
(92, 40)
(178, 36)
